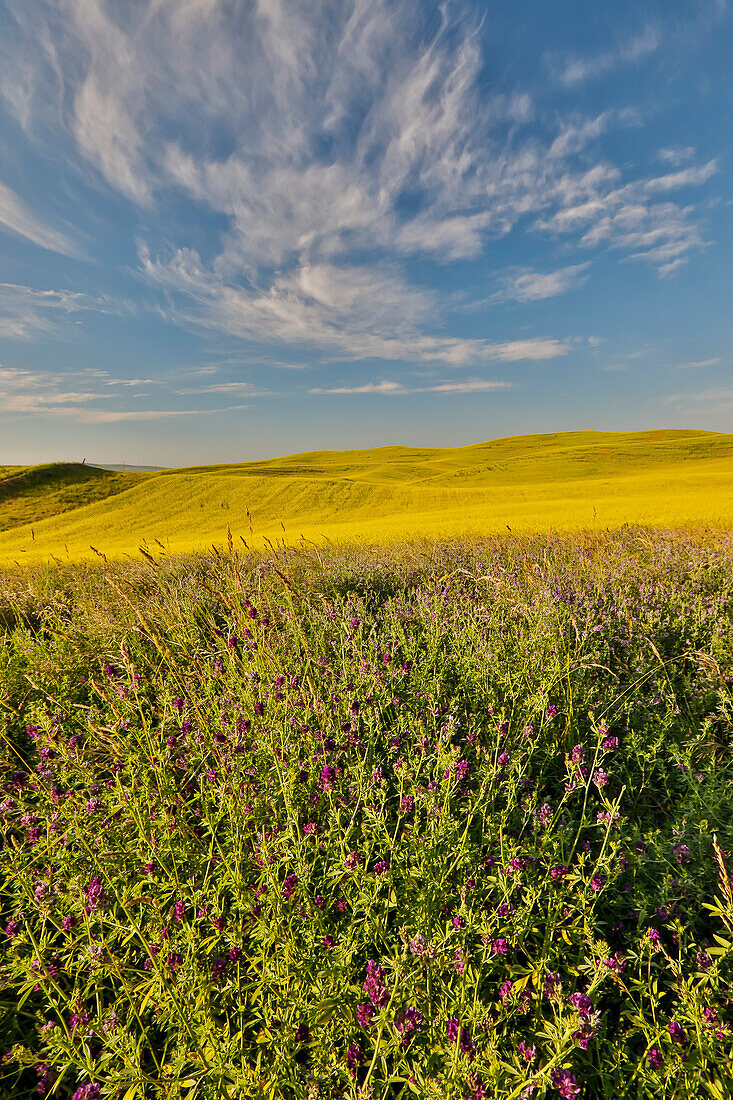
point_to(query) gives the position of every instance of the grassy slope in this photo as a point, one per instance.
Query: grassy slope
(561, 482)
(32, 493)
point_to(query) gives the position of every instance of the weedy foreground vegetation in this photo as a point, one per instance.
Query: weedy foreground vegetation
(446, 820)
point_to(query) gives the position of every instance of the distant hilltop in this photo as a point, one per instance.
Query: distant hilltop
(124, 467)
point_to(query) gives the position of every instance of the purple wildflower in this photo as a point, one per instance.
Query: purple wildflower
(364, 1015)
(94, 893)
(654, 1059)
(374, 986)
(328, 777)
(557, 873)
(174, 960)
(552, 987)
(462, 769)
(565, 1084)
(455, 1033)
(582, 1003)
(677, 1033)
(354, 1057)
(218, 970)
(407, 1022)
(88, 1092)
(291, 881)
(500, 947)
(381, 867)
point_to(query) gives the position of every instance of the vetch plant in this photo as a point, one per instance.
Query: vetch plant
(449, 820)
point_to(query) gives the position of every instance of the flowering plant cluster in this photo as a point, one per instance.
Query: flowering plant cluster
(448, 821)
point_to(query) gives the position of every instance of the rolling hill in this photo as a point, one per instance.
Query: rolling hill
(559, 482)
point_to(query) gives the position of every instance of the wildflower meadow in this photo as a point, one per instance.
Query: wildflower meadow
(446, 820)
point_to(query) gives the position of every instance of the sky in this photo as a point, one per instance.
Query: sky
(232, 229)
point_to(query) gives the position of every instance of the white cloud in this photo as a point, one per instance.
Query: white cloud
(46, 393)
(349, 312)
(111, 416)
(719, 398)
(627, 218)
(677, 154)
(26, 312)
(687, 177)
(323, 135)
(533, 286)
(369, 387)
(223, 387)
(470, 385)
(577, 70)
(666, 271)
(16, 217)
(700, 363)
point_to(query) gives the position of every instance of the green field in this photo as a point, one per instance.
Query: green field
(559, 482)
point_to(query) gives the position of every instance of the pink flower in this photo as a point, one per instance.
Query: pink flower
(564, 1083)
(374, 986)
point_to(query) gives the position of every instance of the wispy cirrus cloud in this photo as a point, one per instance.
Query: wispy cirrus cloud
(26, 312)
(699, 364)
(16, 217)
(348, 312)
(630, 219)
(577, 70)
(677, 154)
(535, 286)
(390, 387)
(47, 393)
(223, 387)
(335, 142)
(116, 416)
(716, 399)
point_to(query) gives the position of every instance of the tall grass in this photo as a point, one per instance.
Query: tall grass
(445, 820)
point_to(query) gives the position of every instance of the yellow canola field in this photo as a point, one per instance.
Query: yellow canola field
(550, 483)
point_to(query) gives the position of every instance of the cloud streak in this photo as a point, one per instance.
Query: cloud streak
(578, 70)
(391, 388)
(45, 393)
(535, 286)
(16, 217)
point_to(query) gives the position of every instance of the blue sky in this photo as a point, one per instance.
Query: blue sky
(231, 229)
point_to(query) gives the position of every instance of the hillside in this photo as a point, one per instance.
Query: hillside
(567, 481)
(32, 493)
